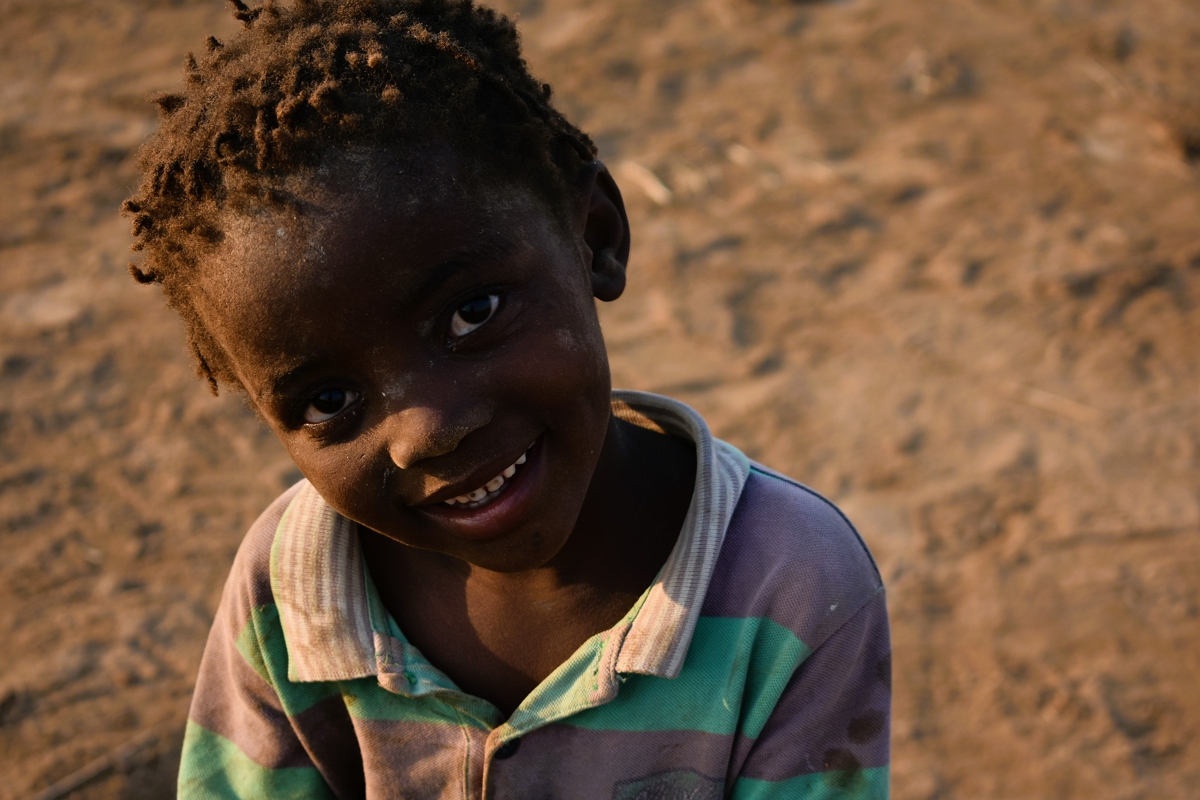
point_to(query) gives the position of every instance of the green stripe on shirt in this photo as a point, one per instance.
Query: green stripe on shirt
(715, 668)
(262, 645)
(366, 699)
(862, 784)
(216, 767)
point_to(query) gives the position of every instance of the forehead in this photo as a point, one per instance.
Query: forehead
(350, 194)
(405, 208)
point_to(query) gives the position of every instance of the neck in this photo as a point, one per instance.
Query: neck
(633, 511)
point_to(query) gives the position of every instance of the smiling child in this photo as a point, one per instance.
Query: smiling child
(500, 578)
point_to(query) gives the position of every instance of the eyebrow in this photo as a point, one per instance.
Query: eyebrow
(280, 384)
(463, 260)
(444, 272)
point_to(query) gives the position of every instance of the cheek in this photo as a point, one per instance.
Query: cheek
(583, 349)
(573, 337)
(563, 371)
(346, 476)
(568, 332)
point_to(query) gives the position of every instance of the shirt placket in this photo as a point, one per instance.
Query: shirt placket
(597, 686)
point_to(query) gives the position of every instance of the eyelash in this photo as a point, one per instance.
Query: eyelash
(352, 400)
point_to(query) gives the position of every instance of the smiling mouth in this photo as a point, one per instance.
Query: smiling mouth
(485, 494)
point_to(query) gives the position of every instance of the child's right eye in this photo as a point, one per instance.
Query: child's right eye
(327, 404)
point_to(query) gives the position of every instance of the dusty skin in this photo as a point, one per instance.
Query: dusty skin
(936, 258)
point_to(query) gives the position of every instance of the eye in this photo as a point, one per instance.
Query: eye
(473, 313)
(328, 404)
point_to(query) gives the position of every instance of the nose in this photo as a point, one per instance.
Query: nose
(420, 431)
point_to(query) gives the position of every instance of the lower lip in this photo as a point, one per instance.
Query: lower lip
(513, 502)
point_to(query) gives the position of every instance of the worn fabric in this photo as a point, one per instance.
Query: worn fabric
(757, 665)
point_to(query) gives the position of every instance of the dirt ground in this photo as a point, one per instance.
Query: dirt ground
(936, 258)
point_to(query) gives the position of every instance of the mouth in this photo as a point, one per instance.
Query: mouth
(496, 507)
(487, 494)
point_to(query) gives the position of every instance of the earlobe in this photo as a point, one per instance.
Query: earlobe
(605, 231)
(608, 276)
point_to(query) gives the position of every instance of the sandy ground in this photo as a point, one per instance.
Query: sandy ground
(936, 258)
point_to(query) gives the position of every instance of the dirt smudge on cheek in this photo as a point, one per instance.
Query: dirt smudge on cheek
(395, 391)
(567, 340)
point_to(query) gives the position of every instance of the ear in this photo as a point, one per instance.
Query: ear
(605, 229)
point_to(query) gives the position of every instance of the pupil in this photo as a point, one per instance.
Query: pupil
(329, 401)
(476, 311)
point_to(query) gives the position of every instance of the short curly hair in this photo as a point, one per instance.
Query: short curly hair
(311, 76)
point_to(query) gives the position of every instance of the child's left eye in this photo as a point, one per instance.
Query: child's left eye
(473, 313)
(328, 404)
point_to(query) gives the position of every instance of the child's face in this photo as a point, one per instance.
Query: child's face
(411, 340)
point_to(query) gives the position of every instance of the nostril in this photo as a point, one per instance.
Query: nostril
(412, 446)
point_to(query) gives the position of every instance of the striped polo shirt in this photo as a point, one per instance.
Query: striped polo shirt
(757, 665)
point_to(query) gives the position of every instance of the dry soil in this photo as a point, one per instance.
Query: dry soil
(936, 258)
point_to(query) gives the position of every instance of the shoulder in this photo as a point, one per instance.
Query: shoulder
(249, 583)
(792, 556)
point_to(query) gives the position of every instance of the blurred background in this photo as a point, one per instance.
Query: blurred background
(938, 259)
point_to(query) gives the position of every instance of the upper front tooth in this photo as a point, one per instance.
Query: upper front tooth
(521, 460)
(477, 494)
(495, 483)
(462, 498)
(510, 471)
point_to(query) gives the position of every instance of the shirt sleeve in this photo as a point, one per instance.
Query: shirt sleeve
(828, 736)
(240, 742)
(241, 739)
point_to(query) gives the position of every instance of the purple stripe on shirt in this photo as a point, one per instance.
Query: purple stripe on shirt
(325, 729)
(420, 759)
(551, 766)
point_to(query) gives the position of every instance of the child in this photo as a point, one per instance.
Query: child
(499, 578)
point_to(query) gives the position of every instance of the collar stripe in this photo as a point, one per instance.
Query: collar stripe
(317, 579)
(658, 642)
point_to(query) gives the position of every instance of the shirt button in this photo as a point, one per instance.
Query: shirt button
(508, 749)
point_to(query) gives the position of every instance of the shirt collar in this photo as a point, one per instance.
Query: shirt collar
(324, 598)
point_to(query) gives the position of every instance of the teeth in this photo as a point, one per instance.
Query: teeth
(491, 486)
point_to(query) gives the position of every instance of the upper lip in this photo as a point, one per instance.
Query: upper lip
(474, 479)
